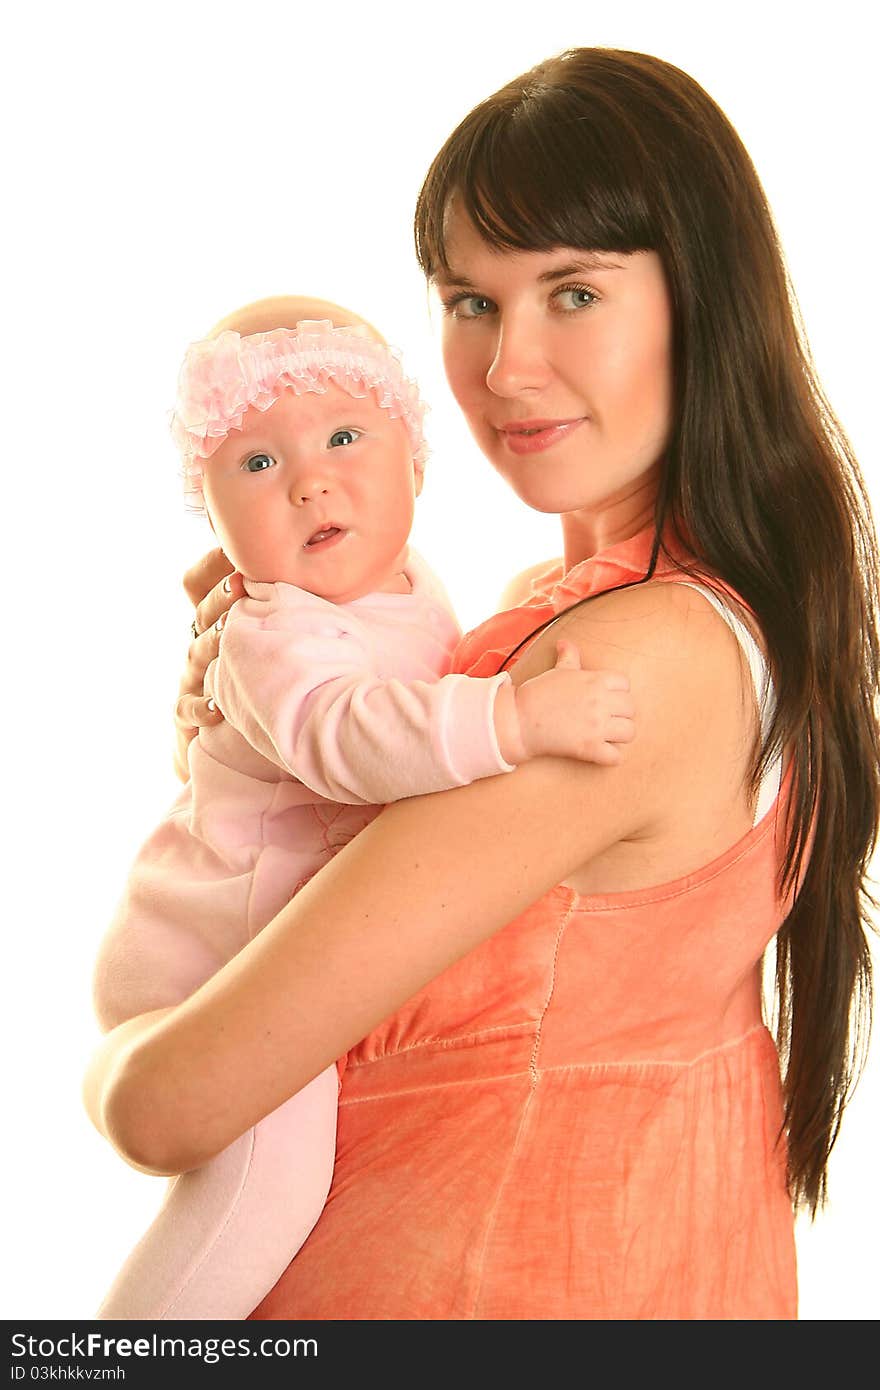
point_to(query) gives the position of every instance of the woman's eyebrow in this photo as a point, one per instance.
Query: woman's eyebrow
(578, 267)
(452, 277)
(584, 264)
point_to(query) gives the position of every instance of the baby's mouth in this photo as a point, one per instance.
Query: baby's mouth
(326, 533)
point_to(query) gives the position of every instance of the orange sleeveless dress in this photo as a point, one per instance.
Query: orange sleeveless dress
(580, 1119)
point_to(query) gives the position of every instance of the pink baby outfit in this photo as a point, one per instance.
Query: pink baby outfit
(330, 710)
(581, 1118)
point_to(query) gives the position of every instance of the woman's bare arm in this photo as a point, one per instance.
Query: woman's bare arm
(105, 1060)
(429, 880)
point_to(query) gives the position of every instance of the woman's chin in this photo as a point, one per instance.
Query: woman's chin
(552, 501)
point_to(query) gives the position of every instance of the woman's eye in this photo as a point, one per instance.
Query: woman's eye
(340, 438)
(258, 463)
(575, 297)
(468, 306)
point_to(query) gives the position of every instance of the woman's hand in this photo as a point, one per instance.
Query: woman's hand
(212, 586)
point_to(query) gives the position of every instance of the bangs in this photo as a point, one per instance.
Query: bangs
(536, 173)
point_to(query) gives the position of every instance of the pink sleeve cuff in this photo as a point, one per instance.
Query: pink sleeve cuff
(467, 727)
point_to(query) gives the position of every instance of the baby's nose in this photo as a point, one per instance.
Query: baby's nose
(306, 489)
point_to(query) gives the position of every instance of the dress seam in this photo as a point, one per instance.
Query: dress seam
(534, 1078)
(641, 1064)
(460, 1039)
(435, 1086)
(533, 1060)
(644, 1063)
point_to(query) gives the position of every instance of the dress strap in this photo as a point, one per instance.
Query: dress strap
(765, 695)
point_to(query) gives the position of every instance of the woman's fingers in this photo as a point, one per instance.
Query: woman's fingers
(194, 712)
(212, 586)
(202, 651)
(205, 575)
(216, 603)
(191, 713)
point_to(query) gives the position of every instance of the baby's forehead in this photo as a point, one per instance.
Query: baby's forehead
(332, 407)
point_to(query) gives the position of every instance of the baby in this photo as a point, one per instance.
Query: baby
(302, 438)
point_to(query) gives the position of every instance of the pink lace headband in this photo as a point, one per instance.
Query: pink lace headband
(223, 377)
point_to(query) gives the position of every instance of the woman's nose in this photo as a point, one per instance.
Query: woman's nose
(520, 362)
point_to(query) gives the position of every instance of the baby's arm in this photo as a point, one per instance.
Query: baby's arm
(302, 687)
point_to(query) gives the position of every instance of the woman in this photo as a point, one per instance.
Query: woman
(580, 1115)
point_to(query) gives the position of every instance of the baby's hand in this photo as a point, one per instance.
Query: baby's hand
(572, 713)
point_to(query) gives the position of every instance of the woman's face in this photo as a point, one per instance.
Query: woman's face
(561, 362)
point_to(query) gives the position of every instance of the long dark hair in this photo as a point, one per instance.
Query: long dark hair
(607, 150)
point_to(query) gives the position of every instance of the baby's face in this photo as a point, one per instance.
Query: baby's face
(317, 491)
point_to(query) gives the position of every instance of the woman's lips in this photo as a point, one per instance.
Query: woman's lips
(531, 436)
(323, 538)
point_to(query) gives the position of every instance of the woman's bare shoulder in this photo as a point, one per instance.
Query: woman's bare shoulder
(685, 668)
(655, 620)
(518, 588)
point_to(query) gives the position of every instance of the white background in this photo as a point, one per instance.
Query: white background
(164, 167)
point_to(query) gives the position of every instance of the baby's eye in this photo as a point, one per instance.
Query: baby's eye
(339, 438)
(258, 463)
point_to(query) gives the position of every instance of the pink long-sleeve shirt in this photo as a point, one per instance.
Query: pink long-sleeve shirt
(330, 712)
